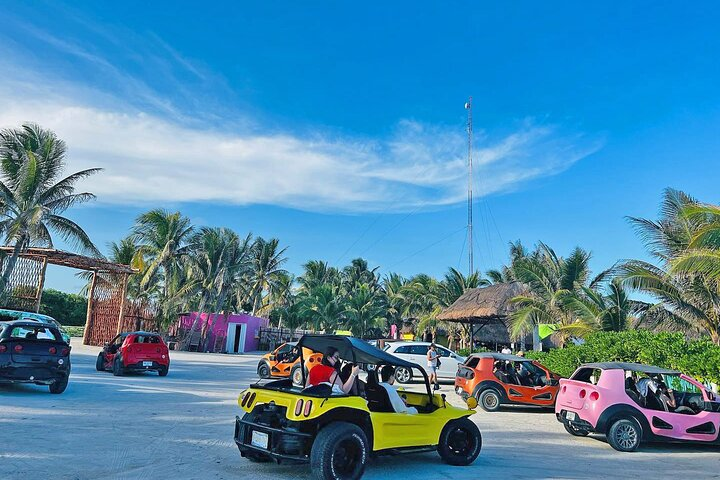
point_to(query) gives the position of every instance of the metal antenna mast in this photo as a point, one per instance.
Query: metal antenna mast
(468, 107)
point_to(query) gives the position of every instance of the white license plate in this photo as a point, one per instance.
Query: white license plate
(147, 364)
(570, 416)
(259, 439)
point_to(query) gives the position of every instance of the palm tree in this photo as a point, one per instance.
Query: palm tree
(219, 259)
(267, 272)
(322, 307)
(394, 287)
(363, 309)
(702, 256)
(687, 298)
(613, 311)
(549, 279)
(33, 196)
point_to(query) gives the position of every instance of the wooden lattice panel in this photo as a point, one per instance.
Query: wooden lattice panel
(140, 316)
(24, 284)
(105, 304)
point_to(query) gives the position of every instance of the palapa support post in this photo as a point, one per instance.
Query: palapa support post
(89, 317)
(41, 285)
(123, 293)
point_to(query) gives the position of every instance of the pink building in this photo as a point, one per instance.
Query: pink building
(237, 333)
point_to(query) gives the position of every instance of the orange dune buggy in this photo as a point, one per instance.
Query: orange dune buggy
(496, 379)
(284, 362)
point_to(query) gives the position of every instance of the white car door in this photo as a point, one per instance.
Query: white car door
(448, 363)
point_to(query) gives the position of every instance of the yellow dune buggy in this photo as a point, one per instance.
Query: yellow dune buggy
(337, 433)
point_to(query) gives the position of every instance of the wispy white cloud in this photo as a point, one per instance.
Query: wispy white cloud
(154, 155)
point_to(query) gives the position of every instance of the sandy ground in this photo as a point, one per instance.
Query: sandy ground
(181, 427)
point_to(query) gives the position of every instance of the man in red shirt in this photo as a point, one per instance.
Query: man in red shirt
(328, 372)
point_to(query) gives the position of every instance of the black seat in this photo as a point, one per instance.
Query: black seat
(377, 397)
(323, 390)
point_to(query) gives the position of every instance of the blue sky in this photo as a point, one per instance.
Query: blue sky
(340, 129)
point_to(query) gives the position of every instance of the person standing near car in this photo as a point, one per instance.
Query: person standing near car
(432, 364)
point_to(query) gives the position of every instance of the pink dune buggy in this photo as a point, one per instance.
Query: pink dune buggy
(630, 403)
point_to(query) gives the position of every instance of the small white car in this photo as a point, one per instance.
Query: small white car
(416, 352)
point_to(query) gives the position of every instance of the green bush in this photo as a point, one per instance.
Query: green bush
(464, 352)
(75, 331)
(66, 308)
(698, 358)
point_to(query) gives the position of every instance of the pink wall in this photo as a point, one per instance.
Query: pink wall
(220, 327)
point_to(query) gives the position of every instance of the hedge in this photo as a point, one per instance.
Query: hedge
(697, 358)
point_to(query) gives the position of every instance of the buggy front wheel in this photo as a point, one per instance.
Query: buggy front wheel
(460, 442)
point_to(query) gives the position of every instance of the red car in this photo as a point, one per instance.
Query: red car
(134, 351)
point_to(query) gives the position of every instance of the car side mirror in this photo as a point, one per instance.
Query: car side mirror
(272, 357)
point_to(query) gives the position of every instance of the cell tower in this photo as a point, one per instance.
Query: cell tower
(468, 107)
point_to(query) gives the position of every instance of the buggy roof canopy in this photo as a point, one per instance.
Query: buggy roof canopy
(352, 349)
(632, 367)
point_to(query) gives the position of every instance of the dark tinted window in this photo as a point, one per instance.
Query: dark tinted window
(403, 349)
(34, 333)
(587, 375)
(147, 339)
(442, 352)
(419, 349)
(472, 362)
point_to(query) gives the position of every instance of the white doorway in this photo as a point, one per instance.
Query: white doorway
(235, 340)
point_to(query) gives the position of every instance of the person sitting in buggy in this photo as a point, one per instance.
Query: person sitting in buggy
(328, 373)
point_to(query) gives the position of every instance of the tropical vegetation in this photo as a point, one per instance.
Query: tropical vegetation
(183, 267)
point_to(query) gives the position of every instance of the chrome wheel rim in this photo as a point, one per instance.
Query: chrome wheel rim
(626, 436)
(490, 400)
(402, 375)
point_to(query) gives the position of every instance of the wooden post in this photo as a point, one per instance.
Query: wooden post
(123, 292)
(41, 285)
(89, 317)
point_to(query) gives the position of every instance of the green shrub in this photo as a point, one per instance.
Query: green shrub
(464, 352)
(699, 358)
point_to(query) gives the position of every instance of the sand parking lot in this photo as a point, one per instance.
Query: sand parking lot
(181, 427)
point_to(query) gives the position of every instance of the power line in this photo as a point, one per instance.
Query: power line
(426, 247)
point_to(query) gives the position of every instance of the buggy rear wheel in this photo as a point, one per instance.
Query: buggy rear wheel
(100, 362)
(59, 386)
(624, 435)
(460, 442)
(489, 400)
(339, 452)
(117, 368)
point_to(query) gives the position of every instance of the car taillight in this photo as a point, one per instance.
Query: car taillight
(582, 393)
(298, 407)
(308, 408)
(564, 388)
(18, 348)
(244, 398)
(594, 396)
(251, 399)
(3, 349)
(52, 350)
(65, 352)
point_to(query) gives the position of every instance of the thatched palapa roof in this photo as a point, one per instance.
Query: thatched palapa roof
(480, 305)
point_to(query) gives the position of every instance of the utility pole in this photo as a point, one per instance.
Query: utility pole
(468, 107)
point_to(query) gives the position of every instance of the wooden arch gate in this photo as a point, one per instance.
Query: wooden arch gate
(107, 312)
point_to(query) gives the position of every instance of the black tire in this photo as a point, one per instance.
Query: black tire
(340, 452)
(460, 442)
(489, 400)
(296, 376)
(58, 386)
(117, 368)
(403, 375)
(100, 362)
(575, 432)
(263, 370)
(163, 371)
(624, 435)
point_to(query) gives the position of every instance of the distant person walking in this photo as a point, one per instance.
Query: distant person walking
(506, 351)
(432, 361)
